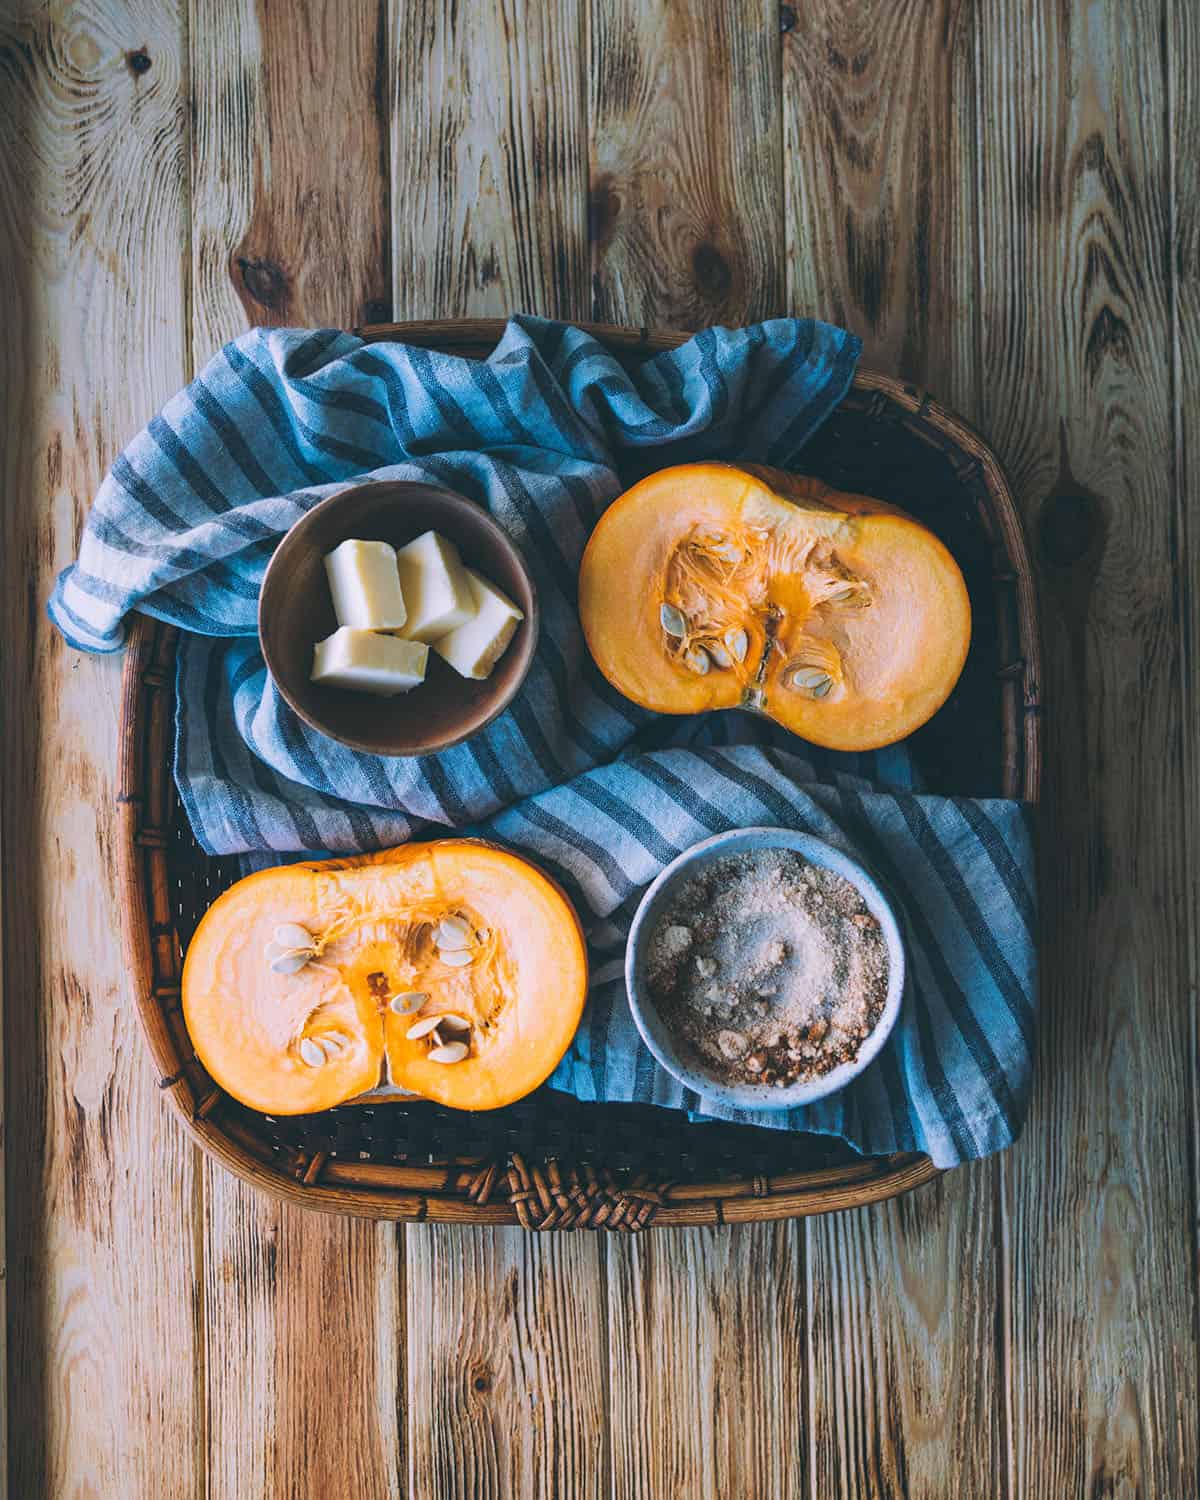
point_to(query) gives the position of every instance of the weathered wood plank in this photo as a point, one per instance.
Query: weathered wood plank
(290, 210)
(488, 163)
(100, 1182)
(1183, 161)
(879, 146)
(880, 178)
(708, 1336)
(301, 1312)
(506, 1368)
(686, 217)
(506, 1331)
(1075, 233)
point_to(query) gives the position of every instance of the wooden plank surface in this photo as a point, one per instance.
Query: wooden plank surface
(507, 1382)
(301, 1313)
(100, 1181)
(708, 1340)
(1003, 199)
(488, 165)
(1075, 239)
(879, 137)
(1183, 156)
(686, 212)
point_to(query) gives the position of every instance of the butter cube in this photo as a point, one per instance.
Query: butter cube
(369, 663)
(474, 649)
(365, 586)
(436, 591)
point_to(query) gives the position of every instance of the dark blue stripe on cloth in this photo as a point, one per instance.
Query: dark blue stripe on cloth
(219, 420)
(397, 397)
(972, 918)
(354, 402)
(1002, 860)
(533, 813)
(625, 817)
(957, 1004)
(240, 808)
(281, 419)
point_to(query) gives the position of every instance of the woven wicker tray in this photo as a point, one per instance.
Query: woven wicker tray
(551, 1162)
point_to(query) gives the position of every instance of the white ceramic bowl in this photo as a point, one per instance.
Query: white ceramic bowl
(656, 1034)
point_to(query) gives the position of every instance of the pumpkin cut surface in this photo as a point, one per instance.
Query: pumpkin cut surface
(453, 970)
(713, 586)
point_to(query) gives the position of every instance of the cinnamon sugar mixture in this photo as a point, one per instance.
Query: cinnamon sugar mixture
(771, 970)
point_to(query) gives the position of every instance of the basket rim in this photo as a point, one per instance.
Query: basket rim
(546, 1196)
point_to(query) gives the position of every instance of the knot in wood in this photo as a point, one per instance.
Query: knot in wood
(1069, 527)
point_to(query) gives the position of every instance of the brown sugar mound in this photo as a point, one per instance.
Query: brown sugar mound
(769, 969)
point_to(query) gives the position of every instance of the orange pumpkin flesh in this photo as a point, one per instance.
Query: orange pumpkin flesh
(712, 585)
(373, 921)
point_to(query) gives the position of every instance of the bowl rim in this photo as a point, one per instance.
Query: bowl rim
(499, 536)
(656, 1034)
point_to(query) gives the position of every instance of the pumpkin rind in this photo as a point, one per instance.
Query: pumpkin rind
(856, 618)
(375, 921)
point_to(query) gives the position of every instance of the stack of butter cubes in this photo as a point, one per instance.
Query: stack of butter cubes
(393, 605)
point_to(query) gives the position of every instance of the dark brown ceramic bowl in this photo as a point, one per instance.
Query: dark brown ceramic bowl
(295, 611)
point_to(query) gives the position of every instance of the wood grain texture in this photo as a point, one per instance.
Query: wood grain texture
(905, 1373)
(684, 162)
(507, 1381)
(708, 1359)
(304, 1320)
(1075, 240)
(289, 202)
(290, 210)
(1183, 158)
(880, 183)
(488, 158)
(100, 1183)
(879, 142)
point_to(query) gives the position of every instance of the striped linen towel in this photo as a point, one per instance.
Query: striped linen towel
(544, 434)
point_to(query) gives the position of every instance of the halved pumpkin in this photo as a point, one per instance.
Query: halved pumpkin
(717, 585)
(302, 983)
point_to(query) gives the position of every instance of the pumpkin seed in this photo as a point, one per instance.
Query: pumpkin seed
(406, 1002)
(452, 1022)
(456, 957)
(452, 932)
(814, 680)
(672, 621)
(423, 1027)
(311, 1053)
(292, 935)
(728, 552)
(289, 963)
(737, 643)
(719, 654)
(329, 1047)
(696, 660)
(450, 1052)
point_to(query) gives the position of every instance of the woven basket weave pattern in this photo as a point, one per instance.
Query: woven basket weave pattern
(551, 1162)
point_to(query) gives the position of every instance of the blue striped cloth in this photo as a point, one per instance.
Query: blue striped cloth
(544, 434)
